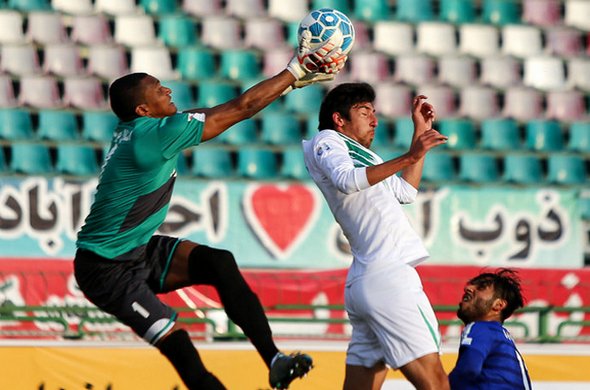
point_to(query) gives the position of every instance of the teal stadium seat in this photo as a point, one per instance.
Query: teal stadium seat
(240, 64)
(98, 126)
(280, 128)
(305, 100)
(158, 7)
(29, 5)
(584, 201)
(478, 168)
(404, 131)
(544, 135)
(340, 5)
(566, 169)
(501, 12)
(372, 10)
(579, 137)
(196, 63)
(523, 169)
(3, 166)
(311, 125)
(382, 133)
(293, 165)
(182, 94)
(182, 168)
(57, 125)
(242, 133)
(76, 159)
(177, 30)
(257, 163)
(438, 167)
(213, 93)
(457, 11)
(30, 159)
(461, 133)
(212, 162)
(15, 124)
(291, 34)
(414, 10)
(500, 134)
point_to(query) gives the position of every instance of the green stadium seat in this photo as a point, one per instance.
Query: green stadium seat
(340, 5)
(257, 163)
(544, 135)
(438, 167)
(57, 125)
(98, 126)
(457, 11)
(522, 169)
(76, 159)
(372, 10)
(182, 168)
(478, 168)
(3, 165)
(404, 131)
(30, 158)
(240, 64)
(500, 134)
(29, 5)
(382, 133)
(195, 63)
(501, 12)
(584, 201)
(158, 7)
(387, 152)
(579, 140)
(177, 30)
(212, 162)
(461, 133)
(212, 93)
(242, 133)
(280, 128)
(293, 165)
(414, 10)
(566, 169)
(304, 100)
(182, 94)
(15, 124)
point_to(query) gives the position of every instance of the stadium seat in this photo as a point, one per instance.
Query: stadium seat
(242, 133)
(442, 97)
(85, 92)
(29, 5)
(522, 169)
(158, 7)
(16, 124)
(403, 32)
(11, 26)
(257, 31)
(200, 8)
(576, 14)
(382, 133)
(566, 105)
(457, 11)
(30, 158)
(311, 126)
(438, 167)
(293, 11)
(500, 71)
(177, 30)
(522, 41)
(274, 61)
(500, 134)
(522, 103)
(436, 38)
(182, 168)
(135, 30)
(477, 167)
(478, 102)
(280, 128)
(501, 12)
(19, 59)
(98, 126)
(579, 137)
(340, 5)
(457, 70)
(116, 7)
(221, 32)
(212, 162)
(154, 60)
(57, 125)
(39, 92)
(45, 27)
(212, 93)
(566, 169)
(563, 41)
(414, 68)
(182, 93)
(245, 9)
(372, 10)
(78, 7)
(584, 201)
(62, 59)
(240, 64)
(414, 10)
(107, 61)
(76, 159)
(403, 133)
(305, 100)
(90, 29)
(578, 71)
(369, 66)
(544, 72)
(461, 133)
(293, 165)
(7, 95)
(543, 135)
(393, 99)
(479, 40)
(542, 12)
(257, 163)
(195, 63)
(3, 165)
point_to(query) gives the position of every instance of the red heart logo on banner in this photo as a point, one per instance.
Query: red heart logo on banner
(280, 215)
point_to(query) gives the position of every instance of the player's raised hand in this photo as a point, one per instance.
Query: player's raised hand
(327, 58)
(423, 113)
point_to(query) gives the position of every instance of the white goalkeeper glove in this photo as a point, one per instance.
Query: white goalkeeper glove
(327, 58)
(310, 78)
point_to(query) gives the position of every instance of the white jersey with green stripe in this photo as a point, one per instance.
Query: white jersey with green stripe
(136, 181)
(371, 217)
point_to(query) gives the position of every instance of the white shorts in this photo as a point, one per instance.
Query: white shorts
(391, 317)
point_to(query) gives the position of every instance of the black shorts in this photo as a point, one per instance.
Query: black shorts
(127, 289)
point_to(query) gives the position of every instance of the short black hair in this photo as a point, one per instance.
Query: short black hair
(125, 94)
(507, 286)
(341, 99)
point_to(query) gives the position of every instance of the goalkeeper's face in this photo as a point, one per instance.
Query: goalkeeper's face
(362, 123)
(157, 100)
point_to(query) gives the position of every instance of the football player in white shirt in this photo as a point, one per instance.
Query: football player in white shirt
(393, 323)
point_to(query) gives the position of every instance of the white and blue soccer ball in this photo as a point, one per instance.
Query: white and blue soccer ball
(324, 23)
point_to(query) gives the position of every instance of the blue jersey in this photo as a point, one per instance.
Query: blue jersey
(488, 359)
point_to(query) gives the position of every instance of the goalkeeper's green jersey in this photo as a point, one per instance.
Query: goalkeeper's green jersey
(136, 181)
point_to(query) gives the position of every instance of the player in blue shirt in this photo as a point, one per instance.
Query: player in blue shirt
(488, 358)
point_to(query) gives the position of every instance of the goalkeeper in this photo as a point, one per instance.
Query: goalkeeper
(121, 266)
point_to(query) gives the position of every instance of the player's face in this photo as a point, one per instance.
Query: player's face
(158, 102)
(476, 303)
(362, 124)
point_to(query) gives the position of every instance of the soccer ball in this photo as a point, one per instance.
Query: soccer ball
(324, 23)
